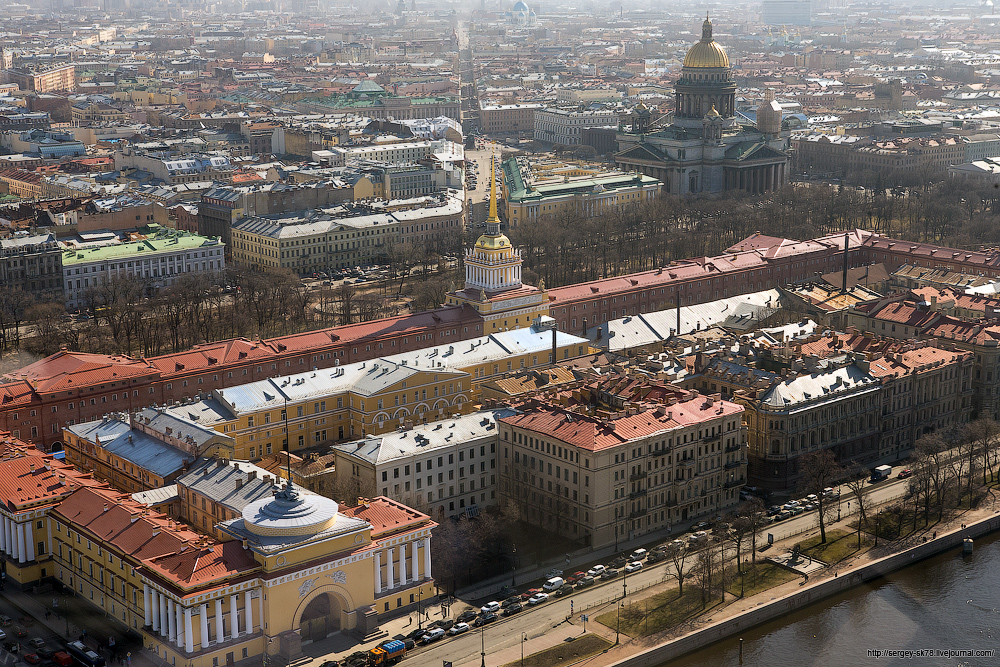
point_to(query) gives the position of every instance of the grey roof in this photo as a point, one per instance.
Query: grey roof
(829, 385)
(158, 496)
(426, 437)
(634, 331)
(144, 451)
(233, 484)
(181, 428)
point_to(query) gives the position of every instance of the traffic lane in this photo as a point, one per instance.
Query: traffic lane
(32, 629)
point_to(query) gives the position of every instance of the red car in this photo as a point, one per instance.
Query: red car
(575, 577)
(903, 474)
(32, 658)
(529, 593)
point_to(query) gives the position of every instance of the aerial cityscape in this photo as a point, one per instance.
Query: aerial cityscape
(342, 335)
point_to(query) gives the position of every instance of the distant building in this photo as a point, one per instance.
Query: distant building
(705, 148)
(46, 143)
(786, 12)
(565, 126)
(43, 79)
(158, 260)
(33, 264)
(501, 119)
(588, 196)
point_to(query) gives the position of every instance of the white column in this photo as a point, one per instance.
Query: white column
(7, 540)
(20, 543)
(220, 628)
(416, 563)
(427, 557)
(248, 601)
(179, 619)
(390, 575)
(203, 617)
(402, 564)
(378, 572)
(154, 602)
(3, 533)
(164, 616)
(171, 621)
(188, 634)
(234, 616)
(29, 540)
(147, 618)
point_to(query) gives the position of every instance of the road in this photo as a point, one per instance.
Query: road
(533, 622)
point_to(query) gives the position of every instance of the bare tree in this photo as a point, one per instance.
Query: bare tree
(984, 432)
(857, 485)
(679, 560)
(819, 470)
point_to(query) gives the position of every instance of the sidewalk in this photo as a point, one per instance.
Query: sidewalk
(631, 646)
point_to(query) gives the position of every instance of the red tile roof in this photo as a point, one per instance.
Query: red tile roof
(387, 517)
(65, 371)
(213, 355)
(29, 478)
(212, 563)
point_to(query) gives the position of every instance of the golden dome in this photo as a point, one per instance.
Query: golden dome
(707, 52)
(490, 242)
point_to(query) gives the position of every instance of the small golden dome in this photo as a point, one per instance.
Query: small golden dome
(712, 113)
(707, 52)
(490, 242)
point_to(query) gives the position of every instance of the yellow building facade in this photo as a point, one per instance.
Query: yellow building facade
(296, 568)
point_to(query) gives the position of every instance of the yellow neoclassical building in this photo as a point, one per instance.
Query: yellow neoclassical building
(376, 396)
(493, 278)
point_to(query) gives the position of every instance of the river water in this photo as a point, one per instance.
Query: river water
(947, 603)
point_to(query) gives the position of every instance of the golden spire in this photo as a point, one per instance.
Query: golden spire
(493, 194)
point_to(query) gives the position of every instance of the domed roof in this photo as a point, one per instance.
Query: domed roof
(290, 513)
(519, 6)
(493, 239)
(707, 52)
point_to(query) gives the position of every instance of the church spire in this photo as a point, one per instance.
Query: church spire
(494, 219)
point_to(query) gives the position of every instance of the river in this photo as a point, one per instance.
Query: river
(946, 603)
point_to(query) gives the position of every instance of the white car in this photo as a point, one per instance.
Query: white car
(538, 598)
(634, 566)
(459, 628)
(433, 635)
(3, 635)
(596, 571)
(490, 607)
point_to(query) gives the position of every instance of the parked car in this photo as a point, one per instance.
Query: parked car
(610, 573)
(538, 598)
(484, 619)
(906, 472)
(701, 525)
(790, 505)
(527, 595)
(466, 616)
(36, 642)
(433, 635)
(444, 624)
(634, 566)
(553, 584)
(596, 571)
(655, 557)
(575, 577)
(565, 590)
(513, 609)
(417, 635)
(588, 580)
(638, 554)
(513, 599)
(490, 607)
(459, 628)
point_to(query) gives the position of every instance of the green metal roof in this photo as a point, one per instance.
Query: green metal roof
(517, 190)
(139, 249)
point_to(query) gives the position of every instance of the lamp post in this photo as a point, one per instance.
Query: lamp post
(420, 596)
(618, 625)
(482, 639)
(524, 638)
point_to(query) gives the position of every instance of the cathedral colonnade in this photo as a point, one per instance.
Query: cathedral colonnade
(755, 180)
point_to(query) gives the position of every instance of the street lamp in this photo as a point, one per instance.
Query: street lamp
(618, 625)
(482, 639)
(420, 596)
(513, 564)
(524, 638)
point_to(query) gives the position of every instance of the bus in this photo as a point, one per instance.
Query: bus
(83, 655)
